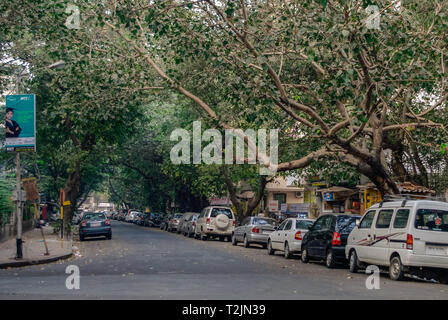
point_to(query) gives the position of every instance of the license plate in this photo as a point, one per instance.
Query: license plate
(95, 224)
(437, 251)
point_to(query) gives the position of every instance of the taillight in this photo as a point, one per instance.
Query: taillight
(233, 222)
(336, 239)
(208, 220)
(83, 224)
(298, 235)
(107, 222)
(175, 220)
(193, 223)
(410, 242)
(255, 230)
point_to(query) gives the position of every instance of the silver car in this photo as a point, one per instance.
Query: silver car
(190, 225)
(173, 225)
(183, 221)
(254, 230)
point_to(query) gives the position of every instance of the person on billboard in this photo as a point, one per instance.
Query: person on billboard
(12, 127)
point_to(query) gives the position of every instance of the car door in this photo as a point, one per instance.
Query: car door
(240, 230)
(276, 236)
(362, 235)
(381, 234)
(325, 235)
(311, 237)
(284, 233)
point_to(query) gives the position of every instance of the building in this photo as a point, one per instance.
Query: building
(285, 197)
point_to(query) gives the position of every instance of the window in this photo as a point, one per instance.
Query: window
(432, 220)
(401, 219)
(384, 218)
(303, 224)
(281, 198)
(318, 224)
(367, 220)
(288, 225)
(282, 225)
(263, 221)
(94, 216)
(345, 224)
(327, 222)
(217, 211)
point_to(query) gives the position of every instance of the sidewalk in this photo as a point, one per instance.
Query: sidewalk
(34, 249)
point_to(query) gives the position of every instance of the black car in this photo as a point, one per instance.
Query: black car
(94, 225)
(327, 238)
(153, 219)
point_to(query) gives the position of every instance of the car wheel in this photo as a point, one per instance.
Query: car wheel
(246, 242)
(304, 256)
(109, 236)
(204, 237)
(287, 253)
(81, 238)
(353, 264)
(270, 250)
(234, 242)
(396, 271)
(330, 261)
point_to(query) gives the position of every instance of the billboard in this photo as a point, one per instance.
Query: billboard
(20, 121)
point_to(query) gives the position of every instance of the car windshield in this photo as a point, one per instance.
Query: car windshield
(178, 216)
(303, 224)
(217, 211)
(263, 221)
(432, 220)
(345, 224)
(94, 216)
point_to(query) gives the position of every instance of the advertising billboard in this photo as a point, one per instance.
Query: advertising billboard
(20, 122)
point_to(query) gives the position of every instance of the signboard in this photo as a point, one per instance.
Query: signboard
(273, 205)
(20, 121)
(30, 186)
(283, 207)
(299, 207)
(329, 196)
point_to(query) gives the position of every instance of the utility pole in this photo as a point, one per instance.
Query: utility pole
(19, 254)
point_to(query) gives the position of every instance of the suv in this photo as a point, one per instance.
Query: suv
(407, 236)
(327, 237)
(215, 221)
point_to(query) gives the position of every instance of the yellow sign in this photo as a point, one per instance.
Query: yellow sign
(147, 210)
(66, 203)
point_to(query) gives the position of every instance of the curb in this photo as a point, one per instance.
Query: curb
(24, 263)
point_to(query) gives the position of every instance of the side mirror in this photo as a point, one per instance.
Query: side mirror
(358, 222)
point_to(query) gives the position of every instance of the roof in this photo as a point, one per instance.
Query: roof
(403, 187)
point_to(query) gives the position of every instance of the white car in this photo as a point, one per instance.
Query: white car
(408, 236)
(215, 221)
(288, 236)
(131, 216)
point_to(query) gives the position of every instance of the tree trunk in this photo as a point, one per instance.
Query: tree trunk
(71, 194)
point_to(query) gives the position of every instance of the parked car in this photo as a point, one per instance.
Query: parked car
(94, 225)
(215, 221)
(190, 225)
(130, 216)
(327, 238)
(122, 215)
(165, 221)
(254, 230)
(139, 218)
(288, 236)
(183, 221)
(173, 224)
(407, 236)
(153, 219)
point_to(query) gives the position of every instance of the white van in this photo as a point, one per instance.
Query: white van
(408, 236)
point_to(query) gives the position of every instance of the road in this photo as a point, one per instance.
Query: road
(146, 263)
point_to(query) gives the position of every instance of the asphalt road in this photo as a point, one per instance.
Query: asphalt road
(146, 263)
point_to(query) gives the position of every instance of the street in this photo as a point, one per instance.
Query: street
(147, 263)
